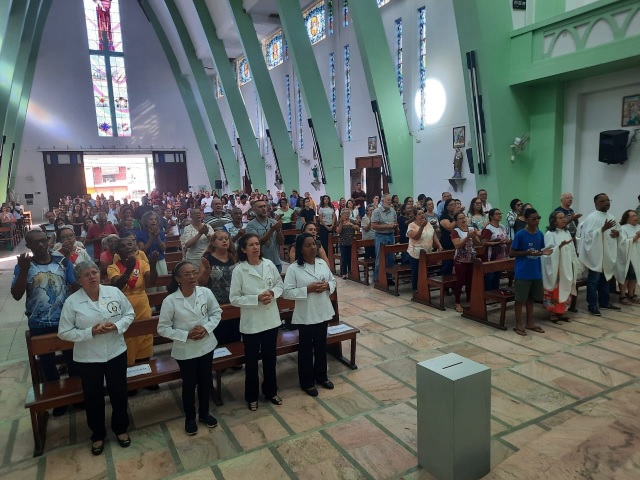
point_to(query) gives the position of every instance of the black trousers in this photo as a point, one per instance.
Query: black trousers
(93, 376)
(256, 345)
(48, 360)
(196, 372)
(312, 354)
(345, 259)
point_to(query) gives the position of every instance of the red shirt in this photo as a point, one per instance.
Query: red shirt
(95, 231)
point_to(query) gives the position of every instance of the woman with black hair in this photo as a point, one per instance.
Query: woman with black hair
(512, 216)
(255, 286)
(188, 316)
(447, 225)
(310, 282)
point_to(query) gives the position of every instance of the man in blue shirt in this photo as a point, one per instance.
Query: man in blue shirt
(45, 278)
(527, 248)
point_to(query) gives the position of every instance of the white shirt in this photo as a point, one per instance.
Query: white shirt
(311, 308)
(246, 285)
(597, 250)
(178, 316)
(193, 253)
(80, 314)
(206, 203)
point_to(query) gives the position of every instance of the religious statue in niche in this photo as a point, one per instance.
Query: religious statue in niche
(457, 163)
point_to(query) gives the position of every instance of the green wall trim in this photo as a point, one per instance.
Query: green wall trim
(287, 157)
(211, 108)
(9, 55)
(532, 50)
(546, 9)
(17, 88)
(380, 73)
(5, 8)
(188, 97)
(313, 93)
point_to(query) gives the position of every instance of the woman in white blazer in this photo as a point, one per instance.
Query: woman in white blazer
(95, 319)
(310, 282)
(188, 316)
(255, 286)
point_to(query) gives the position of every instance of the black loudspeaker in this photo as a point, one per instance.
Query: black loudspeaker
(470, 159)
(613, 146)
(218, 184)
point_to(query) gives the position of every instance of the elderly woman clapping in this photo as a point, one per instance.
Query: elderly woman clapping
(95, 319)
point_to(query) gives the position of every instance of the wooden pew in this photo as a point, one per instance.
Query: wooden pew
(477, 310)
(430, 279)
(332, 255)
(173, 244)
(357, 261)
(396, 271)
(43, 395)
(290, 234)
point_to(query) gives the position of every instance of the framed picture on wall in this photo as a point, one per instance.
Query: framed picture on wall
(458, 137)
(631, 110)
(373, 144)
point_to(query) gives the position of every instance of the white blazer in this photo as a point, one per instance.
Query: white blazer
(80, 314)
(246, 285)
(178, 317)
(311, 308)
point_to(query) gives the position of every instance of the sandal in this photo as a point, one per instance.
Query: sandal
(535, 329)
(459, 308)
(520, 332)
(253, 406)
(276, 400)
(635, 300)
(625, 301)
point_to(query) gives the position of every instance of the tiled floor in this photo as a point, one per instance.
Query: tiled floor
(565, 404)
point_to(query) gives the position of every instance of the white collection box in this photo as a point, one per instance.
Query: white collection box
(454, 417)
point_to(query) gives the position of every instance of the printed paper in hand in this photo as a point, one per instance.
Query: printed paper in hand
(138, 370)
(221, 352)
(338, 329)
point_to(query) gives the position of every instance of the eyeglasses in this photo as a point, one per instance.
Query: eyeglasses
(193, 273)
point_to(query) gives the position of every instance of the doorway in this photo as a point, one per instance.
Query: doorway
(123, 176)
(368, 171)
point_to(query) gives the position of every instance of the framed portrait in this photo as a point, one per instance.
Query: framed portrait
(373, 144)
(631, 110)
(458, 137)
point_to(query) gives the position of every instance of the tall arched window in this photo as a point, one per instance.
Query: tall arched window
(111, 100)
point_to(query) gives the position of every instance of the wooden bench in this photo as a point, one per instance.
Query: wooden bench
(43, 395)
(332, 255)
(358, 261)
(396, 271)
(429, 262)
(430, 278)
(173, 244)
(477, 309)
(288, 234)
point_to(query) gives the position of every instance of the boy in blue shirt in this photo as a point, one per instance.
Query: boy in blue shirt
(527, 248)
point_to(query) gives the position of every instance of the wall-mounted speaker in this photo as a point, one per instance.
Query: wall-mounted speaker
(613, 146)
(218, 184)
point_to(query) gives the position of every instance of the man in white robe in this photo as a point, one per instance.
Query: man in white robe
(597, 250)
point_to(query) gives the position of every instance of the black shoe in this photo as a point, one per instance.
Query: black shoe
(190, 427)
(210, 421)
(124, 443)
(312, 391)
(595, 312)
(328, 384)
(97, 450)
(152, 388)
(132, 393)
(573, 310)
(612, 307)
(59, 411)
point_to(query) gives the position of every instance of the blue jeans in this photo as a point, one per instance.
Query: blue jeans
(597, 290)
(383, 239)
(345, 259)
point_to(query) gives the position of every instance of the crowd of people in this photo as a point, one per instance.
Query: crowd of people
(94, 261)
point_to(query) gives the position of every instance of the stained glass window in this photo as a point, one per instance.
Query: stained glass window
(111, 99)
(287, 86)
(381, 3)
(274, 50)
(332, 80)
(314, 20)
(330, 15)
(347, 89)
(345, 13)
(219, 89)
(300, 137)
(422, 41)
(398, 53)
(244, 73)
